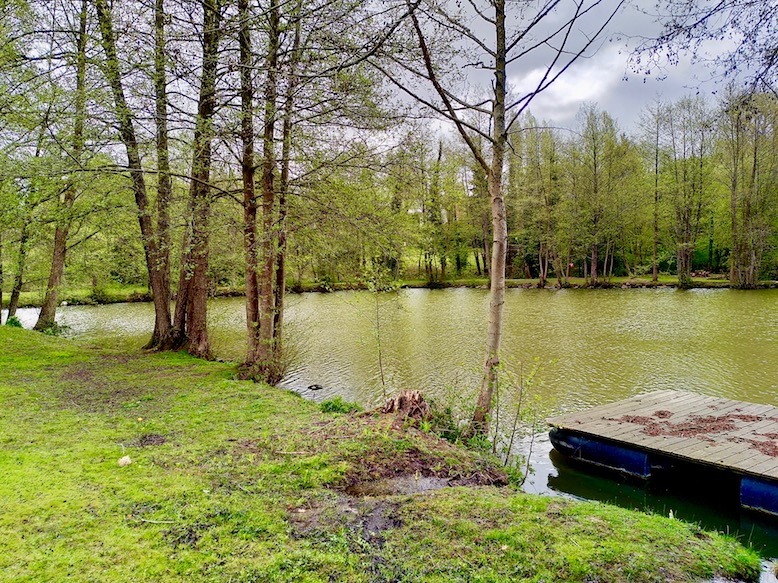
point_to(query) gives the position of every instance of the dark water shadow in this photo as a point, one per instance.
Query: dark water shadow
(709, 499)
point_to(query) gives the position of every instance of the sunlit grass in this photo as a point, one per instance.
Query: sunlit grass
(233, 481)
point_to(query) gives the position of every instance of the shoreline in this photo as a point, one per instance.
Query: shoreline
(132, 294)
(160, 466)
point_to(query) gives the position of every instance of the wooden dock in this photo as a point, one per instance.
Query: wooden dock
(640, 434)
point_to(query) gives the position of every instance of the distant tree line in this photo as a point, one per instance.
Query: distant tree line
(259, 145)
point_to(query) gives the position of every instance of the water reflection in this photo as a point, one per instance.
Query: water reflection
(596, 346)
(712, 508)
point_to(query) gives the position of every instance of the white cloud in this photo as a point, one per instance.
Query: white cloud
(587, 81)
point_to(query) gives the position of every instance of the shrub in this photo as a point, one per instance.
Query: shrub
(338, 405)
(55, 330)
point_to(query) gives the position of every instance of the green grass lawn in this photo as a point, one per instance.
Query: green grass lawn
(233, 481)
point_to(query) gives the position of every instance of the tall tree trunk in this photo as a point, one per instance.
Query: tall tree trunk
(51, 298)
(184, 280)
(248, 174)
(265, 349)
(196, 337)
(21, 266)
(162, 338)
(129, 139)
(480, 422)
(283, 195)
(595, 259)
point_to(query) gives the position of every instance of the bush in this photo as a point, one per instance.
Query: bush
(444, 424)
(13, 322)
(55, 330)
(338, 405)
(99, 295)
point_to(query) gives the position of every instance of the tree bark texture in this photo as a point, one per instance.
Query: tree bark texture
(196, 335)
(480, 422)
(248, 174)
(21, 266)
(265, 353)
(128, 137)
(162, 337)
(51, 298)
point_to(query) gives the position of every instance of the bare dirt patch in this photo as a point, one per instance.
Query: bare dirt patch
(403, 485)
(150, 439)
(382, 458)
(401, 453)
(83, 387)
(367, 518)
(101, 387)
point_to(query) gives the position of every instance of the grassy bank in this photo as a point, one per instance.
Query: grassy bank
(231, 481)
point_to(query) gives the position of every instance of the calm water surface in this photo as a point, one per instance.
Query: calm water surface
(592, 347)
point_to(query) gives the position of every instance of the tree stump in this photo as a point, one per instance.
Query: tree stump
(408, 404)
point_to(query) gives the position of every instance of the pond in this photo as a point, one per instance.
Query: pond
(592, 346)
(584, 348)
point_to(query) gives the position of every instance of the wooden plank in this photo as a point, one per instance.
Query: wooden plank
(665, 441)
(624, 429)
(756, 428)
(767, 468)
(757, 409)
(626, 406)
(731, 449)
(605, 416)
(735, 453)
(607, 410)
(743, 461)
(695, 449)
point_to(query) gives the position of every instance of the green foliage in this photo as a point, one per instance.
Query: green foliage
(444, 423)
(338, 405)
(13, 322)
(99, 295)
(55, 329)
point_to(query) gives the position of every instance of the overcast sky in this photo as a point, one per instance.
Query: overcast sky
(607, 79)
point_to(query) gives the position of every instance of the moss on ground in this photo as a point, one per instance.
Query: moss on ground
(232, 481)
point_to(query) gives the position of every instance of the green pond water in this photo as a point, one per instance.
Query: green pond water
(592, 347)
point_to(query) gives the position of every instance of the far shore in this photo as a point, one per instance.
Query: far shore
(117, 293)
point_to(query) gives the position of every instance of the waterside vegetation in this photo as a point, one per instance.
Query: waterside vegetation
(123, 465)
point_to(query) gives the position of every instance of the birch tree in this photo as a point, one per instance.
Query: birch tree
(549, 29)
